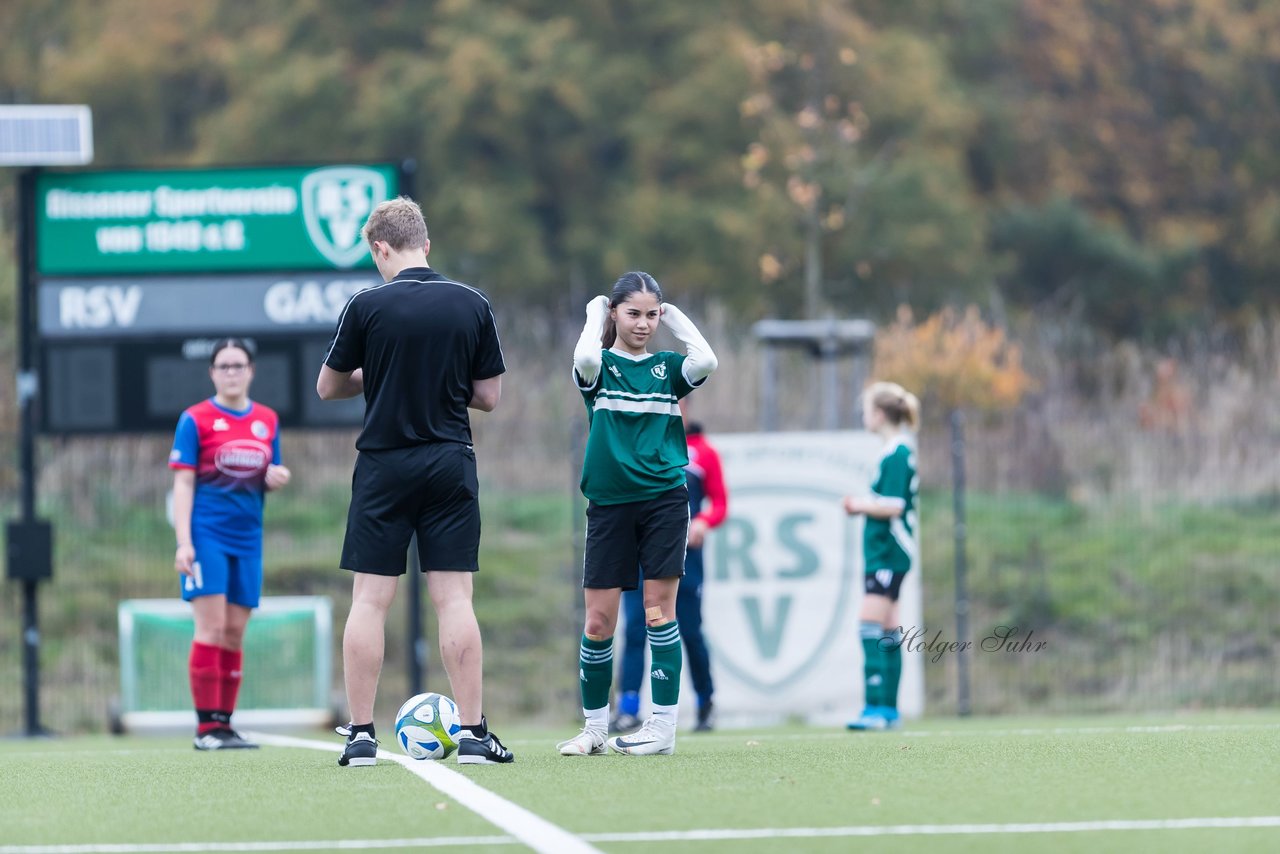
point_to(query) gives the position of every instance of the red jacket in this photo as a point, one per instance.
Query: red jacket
(706, 481)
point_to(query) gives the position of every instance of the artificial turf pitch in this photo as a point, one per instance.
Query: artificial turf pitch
(1153, 783)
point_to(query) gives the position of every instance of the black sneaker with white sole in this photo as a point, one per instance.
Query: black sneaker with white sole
(223, 739)
(361, 749)
(482, 748)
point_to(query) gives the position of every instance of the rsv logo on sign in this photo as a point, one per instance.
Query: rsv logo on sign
(99, 306)
(780, 576)
(335, 203)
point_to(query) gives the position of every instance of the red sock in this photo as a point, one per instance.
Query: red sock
(206, 687)
(229, 673)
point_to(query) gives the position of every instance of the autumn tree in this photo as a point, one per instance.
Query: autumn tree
(858, 167)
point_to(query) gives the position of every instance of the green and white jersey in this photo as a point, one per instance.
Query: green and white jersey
(891, 543)
(636, 447)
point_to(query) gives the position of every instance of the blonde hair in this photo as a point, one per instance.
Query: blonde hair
(899, 406)
(398, 222)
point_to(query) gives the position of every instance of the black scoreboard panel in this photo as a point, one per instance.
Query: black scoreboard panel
(135, 385)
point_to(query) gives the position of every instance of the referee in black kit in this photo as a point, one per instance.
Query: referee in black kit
(422, 349)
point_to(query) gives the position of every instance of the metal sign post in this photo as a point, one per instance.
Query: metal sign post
(826, 341)
(34, 135)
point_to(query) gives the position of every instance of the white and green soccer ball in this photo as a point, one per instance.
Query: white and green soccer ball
(427, 726)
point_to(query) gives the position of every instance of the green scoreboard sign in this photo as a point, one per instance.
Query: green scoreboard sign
(207, 220)
(137, 273)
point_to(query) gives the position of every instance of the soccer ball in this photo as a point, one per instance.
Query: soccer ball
(427, 726)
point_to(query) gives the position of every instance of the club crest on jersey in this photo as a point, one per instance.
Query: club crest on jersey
(220, 424)
(259, 429)
(659, 370)
(335, 202)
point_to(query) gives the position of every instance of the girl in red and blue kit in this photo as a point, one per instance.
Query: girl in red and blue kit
(226, 455)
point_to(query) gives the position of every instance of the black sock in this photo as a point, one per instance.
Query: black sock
(479, 730)
(355, 728)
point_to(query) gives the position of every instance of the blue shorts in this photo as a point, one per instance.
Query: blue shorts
(217, 571)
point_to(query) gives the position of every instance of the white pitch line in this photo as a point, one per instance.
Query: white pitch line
(218, 847)
(712, 835)
(940, 829)
(1148, 729)
(910, 732)
(527, 827)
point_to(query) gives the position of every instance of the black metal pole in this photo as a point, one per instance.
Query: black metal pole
(961, 534)
(417, 658)
(28, 397)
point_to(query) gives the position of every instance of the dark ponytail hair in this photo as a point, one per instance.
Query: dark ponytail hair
(223, 343)
(629, 284)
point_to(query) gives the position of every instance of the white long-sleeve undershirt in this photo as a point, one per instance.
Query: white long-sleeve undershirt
(699, 361)
(586, 354)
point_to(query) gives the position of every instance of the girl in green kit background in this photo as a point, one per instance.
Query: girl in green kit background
(638, 504)
(888, 547)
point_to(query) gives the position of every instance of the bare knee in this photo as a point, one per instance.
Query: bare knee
(373, 592)
(232, 638)
(660, 600)
(449, 590)
(211, 631)
(600, 625)
(654, 615)
(876, 609)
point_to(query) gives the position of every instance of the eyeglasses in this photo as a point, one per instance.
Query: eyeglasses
(232, 367)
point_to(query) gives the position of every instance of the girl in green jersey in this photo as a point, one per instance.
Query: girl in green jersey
(638, 504)
(888, 547)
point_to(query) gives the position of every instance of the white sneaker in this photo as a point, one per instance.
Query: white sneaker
(651, 739)
(586, 743)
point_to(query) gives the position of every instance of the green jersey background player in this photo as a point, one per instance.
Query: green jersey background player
(638, 504)
(888, 547)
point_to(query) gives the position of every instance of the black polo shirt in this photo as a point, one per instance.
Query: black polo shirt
(422, 340)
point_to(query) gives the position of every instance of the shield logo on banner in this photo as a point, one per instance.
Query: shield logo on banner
(335, 203)
(780, 576)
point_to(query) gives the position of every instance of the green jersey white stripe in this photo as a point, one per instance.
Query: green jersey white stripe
(636, 448)
(891, 543)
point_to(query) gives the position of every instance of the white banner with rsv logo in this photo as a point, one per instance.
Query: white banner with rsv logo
(784, 582)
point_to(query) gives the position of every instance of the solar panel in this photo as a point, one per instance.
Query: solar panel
(45, 135)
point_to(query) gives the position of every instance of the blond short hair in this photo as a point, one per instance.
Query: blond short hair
(398, 222)
(899, 406)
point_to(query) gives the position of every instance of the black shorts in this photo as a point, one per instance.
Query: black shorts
(624, 540)
(431, 490)
(884, 582)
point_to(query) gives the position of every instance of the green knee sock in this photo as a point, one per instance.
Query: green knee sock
(595, 672)
(891, 644)
(664, 677)
(873, 668)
